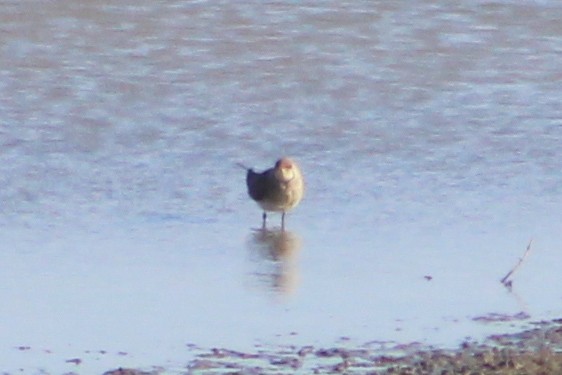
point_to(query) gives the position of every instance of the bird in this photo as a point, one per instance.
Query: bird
(278, 189)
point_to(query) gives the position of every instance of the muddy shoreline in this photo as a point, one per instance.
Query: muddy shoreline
(533, 351)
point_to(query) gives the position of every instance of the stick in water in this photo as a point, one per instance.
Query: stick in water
(505, 281)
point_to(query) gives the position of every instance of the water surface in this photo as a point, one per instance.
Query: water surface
(429, 135)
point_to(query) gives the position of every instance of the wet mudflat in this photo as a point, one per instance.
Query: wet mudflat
(537, 350)
(534, 351)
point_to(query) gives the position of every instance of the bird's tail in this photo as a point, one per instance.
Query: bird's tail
(243, 166)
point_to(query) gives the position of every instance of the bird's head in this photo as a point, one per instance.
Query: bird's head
(285, 169)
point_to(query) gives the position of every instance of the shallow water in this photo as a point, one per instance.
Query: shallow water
(429, 135)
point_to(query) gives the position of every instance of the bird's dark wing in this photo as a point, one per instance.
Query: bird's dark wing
(257, 184)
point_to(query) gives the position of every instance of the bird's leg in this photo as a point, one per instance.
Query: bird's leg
(283, 221)
(264, 217)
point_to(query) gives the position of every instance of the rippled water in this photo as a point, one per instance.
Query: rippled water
(429, 133)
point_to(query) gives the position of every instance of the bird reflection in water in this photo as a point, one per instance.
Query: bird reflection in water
(275, 253)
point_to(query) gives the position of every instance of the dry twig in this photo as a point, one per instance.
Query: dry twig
(505, 281)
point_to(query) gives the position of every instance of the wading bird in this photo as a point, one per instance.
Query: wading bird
(278, 189)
